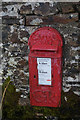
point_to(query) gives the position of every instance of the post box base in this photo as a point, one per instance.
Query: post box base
(59, 105)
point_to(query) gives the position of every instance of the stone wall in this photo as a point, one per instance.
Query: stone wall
(20, 20)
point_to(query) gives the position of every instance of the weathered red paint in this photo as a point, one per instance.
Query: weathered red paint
(45, 42)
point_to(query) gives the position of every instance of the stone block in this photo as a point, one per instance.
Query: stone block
(14, 38)
(49, 20)
(26, 9)
(78, 7)
(10, 20)
(23, 34)
(45, 9)
(67, 8)
(22, 63)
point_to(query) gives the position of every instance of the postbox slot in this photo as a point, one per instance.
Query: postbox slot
(34, 76)
(45, 48)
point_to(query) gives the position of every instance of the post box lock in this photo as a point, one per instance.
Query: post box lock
(45, 61)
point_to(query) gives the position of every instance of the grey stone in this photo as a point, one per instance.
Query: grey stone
(14, 38)
(77, 7)
(23, 34)
(26, 9)
(10, 20)
(45, 9)
(67, 7)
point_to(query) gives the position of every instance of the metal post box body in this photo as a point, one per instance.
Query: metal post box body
(45, 61)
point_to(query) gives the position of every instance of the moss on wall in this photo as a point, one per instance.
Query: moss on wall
(12, 110)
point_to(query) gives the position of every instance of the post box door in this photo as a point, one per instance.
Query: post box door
(43, 91)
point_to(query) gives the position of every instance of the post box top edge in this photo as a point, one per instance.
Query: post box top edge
(52, 30)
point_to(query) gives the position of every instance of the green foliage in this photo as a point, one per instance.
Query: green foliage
(11, 109)
(11, 97)
(10, 100)
(70, 108)
(5, 84)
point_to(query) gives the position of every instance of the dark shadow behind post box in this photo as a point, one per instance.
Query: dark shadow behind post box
(45, 71)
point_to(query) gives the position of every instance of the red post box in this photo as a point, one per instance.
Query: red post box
(45, 60)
